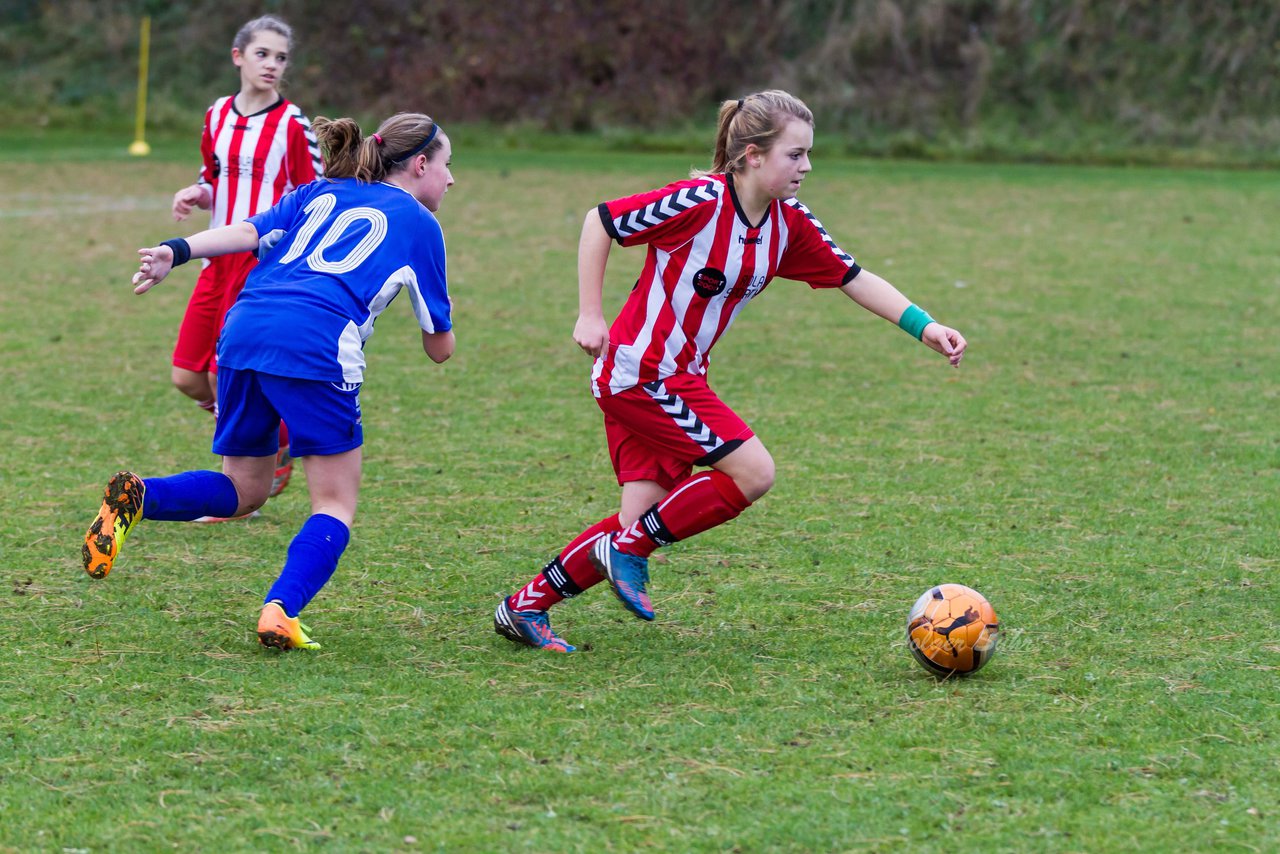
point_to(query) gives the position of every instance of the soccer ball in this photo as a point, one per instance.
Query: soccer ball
(952, 630)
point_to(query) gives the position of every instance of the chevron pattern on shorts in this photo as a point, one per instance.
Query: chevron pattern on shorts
(683, 416)
(658, 212)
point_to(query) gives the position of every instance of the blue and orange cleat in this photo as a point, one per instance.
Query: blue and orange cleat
(121, 510)
(531, 628)
(278, 630)
(628, 575)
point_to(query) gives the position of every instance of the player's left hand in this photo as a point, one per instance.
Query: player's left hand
(156, 262)
(946, 341)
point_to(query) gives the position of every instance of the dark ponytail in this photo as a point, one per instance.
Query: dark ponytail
(348, 154)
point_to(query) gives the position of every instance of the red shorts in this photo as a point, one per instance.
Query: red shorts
(216, 291)
(659, 431)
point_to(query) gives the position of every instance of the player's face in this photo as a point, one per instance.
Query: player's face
(785, 165)
(262, 62)
(436, 179)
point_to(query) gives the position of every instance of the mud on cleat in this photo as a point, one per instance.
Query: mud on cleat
(278, 630)
(121, 510)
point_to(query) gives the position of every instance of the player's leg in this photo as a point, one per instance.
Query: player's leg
(195, 385)
(245, 437)
(683, 416)
(637, 497)
(243, 434)
(522, 616)
(197, 337)
(234, 271)
(128, 499)
(284, 463)
(328, 436)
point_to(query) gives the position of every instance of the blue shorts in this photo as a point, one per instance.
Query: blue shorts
(323, 417)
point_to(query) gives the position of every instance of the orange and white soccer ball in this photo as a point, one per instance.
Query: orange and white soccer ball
(952, 630)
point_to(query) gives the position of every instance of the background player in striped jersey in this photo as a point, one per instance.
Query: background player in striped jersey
(256, 147)
(334, 254)
(714, 242)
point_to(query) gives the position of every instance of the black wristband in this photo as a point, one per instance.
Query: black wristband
(181, 250)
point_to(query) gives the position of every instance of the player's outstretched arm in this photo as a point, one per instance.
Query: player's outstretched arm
(157, 261)
(879, 297)
(591, 332)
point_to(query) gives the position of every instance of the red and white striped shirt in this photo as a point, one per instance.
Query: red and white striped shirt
(705, 263)
(251, 161)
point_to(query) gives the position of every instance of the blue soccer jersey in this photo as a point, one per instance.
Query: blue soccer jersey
(333, 254)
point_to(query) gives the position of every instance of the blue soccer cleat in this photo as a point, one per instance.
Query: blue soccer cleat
(531, 628)
(628, 575)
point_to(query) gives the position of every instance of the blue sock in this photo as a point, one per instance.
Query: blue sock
(313, 556)
(190, 495)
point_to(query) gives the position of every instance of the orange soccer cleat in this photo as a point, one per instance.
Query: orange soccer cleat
(121, 510)
(278, 630)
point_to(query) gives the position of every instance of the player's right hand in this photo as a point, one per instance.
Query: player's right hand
(946, 341)
(156, 262)
(591, 334)
(186, 199)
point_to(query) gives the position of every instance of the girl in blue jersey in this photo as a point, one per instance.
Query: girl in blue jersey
(333, 254)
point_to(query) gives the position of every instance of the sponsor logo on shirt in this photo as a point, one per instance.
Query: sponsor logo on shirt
(748, 286)
(708, 282)
(251, 167)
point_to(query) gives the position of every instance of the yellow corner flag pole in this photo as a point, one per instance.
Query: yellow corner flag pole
(139, 148)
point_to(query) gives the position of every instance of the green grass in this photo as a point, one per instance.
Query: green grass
(1104, 467)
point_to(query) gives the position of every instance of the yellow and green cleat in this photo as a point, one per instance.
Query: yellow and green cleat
(278, 630)
(121, 510)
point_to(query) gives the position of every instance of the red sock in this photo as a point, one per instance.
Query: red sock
(698, 504)
(209, 406)
(284, 435)
(566, 576)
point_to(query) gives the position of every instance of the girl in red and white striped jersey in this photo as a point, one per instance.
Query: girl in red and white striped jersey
(715, 241)
(256, 147)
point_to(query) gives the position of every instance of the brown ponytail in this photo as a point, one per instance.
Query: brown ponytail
(348, 154)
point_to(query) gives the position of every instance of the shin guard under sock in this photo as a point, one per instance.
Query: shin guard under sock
(190, 495)
(313, 557)
(701, 502)
(570, 573)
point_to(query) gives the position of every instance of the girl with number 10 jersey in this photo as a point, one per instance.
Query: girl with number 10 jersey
(333, 255)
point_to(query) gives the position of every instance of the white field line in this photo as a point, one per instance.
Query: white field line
(27, 205)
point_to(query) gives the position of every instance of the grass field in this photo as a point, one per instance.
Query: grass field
(1105, 466)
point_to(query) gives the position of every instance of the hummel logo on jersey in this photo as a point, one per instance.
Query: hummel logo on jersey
(743, 241)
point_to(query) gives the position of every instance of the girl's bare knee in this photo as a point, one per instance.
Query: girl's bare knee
(757, 480)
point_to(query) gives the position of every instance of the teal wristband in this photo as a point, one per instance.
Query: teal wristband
(914, 320)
